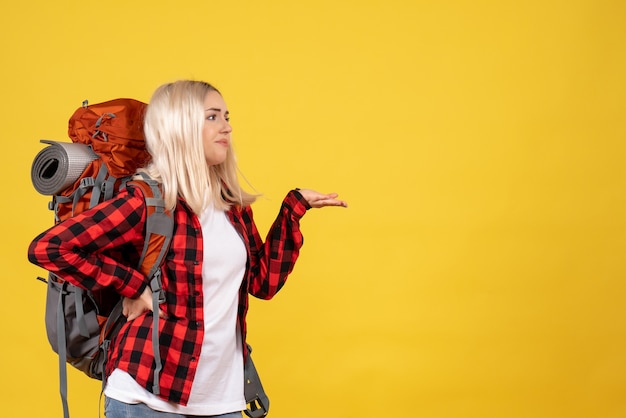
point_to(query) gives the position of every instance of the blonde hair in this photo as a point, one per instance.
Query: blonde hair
(173, 127)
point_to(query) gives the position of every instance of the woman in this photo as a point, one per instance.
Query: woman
(217, 258)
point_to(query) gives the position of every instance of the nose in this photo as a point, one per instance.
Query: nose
(226, 127)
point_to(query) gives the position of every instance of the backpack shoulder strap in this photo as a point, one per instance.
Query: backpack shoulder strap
(159, 226)
(159, 231)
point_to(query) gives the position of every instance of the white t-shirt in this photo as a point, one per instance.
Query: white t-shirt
(218, 384)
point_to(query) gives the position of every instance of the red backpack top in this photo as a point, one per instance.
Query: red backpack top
(113, 130)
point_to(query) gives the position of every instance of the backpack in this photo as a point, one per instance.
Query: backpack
(107, 148)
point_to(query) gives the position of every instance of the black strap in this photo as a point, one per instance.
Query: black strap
(62, 349)
(257, 402)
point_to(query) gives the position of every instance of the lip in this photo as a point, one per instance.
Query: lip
(223, 142)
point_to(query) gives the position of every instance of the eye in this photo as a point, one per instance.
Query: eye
(211, 117)
(227, 117)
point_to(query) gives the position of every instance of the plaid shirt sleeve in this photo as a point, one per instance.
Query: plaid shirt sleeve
(80, 249)
(273, 260)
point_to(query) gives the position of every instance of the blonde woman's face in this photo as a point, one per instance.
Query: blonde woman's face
(217, 129)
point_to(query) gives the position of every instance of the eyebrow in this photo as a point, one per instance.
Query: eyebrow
(215, 109)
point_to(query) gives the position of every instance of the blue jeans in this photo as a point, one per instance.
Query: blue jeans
(117, 409)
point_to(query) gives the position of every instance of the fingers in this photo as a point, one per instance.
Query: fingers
(328, 200)
(136, 314)
(134, 308)
(320, 200)
(133, 312)
(124, 307)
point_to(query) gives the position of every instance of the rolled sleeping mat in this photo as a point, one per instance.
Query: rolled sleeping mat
(59, 165)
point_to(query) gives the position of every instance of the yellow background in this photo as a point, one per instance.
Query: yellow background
(479, 270)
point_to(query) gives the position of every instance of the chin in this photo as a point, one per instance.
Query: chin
(216, 161)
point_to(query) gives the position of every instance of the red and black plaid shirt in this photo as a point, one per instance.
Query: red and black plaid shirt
(86, 251)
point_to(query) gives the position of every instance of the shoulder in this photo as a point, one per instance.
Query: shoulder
(129, 200)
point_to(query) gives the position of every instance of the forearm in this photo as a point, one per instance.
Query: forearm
(273, 260)
(80, 249)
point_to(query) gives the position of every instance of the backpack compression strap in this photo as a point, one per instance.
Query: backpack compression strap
(62, 350)
(257, 402)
